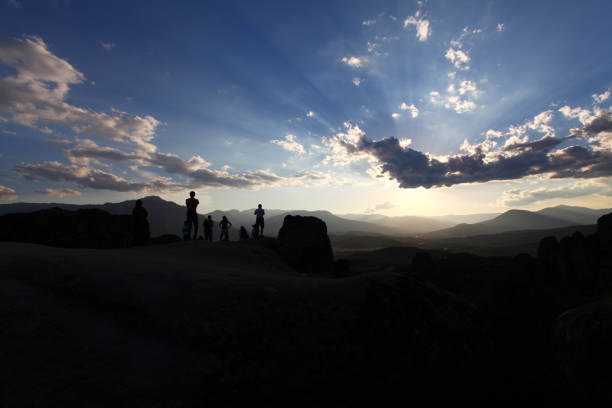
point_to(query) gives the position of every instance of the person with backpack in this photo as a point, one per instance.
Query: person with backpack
(259, 219)
(192, 215)
(208, 227)
(224, 226)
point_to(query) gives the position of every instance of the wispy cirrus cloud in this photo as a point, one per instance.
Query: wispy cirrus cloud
(108, 46)
(518, 197)
(289, 143)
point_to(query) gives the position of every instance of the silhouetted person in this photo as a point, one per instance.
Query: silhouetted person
(243, 233)
(254, 231)
(187, 230)
(224, 226)
(192, 215)
(141, 225)
(208, 227)
(259, 220)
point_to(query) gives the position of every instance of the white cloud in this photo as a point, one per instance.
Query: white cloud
(354, 62)
(414, 111)
(423, 31)
(459, 105)
(61, 193)
(310, 114)
(404, 143)
(108, 46)
(583, 115)
(501, 27)
(338, 144)
(36, 96)
(493, 134)
(525, 197)
(601, 97)
(387, 205)
(458, 58)
(357, 81)
(395, 115)
(7, 193)
(434, 97)
(541, 122)
(368, 22)
(467, 86)
(290, 143)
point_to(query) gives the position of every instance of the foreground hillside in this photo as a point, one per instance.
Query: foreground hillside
(190, 323)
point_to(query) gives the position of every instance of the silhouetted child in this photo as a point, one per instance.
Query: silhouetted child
(187, 230)
(243, 233)
(208, 227)
(254, 231)
(141, 225)
(224, 226)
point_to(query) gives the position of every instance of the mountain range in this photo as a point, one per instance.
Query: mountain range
(166, 217)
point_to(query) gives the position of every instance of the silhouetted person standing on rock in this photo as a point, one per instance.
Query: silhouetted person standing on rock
(192, 215)
(208, 227)
(259, 220)
(224, 226)
(141, 225)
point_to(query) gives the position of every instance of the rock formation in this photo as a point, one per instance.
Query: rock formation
(70, 229)
(304, 244)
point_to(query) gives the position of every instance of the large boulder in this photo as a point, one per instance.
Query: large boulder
(89, 228)
(303, 243)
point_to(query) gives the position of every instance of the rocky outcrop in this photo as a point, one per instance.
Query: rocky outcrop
(578, 262)
(582, 339)
(70, 229)
(304, 244)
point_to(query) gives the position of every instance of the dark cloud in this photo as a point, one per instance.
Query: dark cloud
(602, 123)
(90, 178)
(411, 168)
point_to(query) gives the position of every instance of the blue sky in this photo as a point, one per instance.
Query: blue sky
(392, 107)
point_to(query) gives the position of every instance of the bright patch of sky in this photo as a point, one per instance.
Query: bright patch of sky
(428, 108)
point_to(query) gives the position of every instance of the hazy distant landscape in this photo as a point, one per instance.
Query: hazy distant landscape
(515, 231)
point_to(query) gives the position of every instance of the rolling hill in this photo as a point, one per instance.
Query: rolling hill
(512, 220)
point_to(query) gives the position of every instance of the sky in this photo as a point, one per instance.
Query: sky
(390, 107)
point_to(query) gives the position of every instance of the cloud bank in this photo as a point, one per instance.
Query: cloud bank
(487, 161)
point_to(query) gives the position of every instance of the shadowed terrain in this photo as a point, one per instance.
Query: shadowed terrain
(279, 321)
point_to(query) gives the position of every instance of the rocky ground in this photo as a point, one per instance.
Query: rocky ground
(273, 322)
